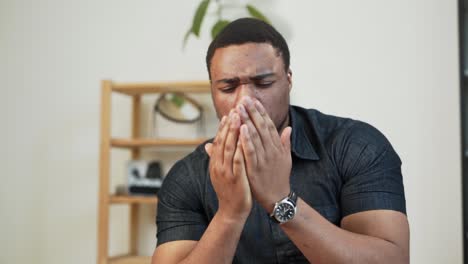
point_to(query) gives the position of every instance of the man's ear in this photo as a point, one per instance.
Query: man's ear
(289, 76)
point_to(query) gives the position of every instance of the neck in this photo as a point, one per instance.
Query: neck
(283, 123)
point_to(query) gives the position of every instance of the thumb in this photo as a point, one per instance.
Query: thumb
(208, 148)
(286, 138)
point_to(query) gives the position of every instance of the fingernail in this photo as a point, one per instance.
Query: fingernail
(242, 111)
(230, 113)
(223, 120)
(248, 101)
(235, 120)
(259, 107)
(245, 131)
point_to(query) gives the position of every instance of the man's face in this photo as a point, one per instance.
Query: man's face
(255, 70)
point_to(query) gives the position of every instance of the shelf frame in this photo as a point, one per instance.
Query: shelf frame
(135, 207)
(149, 142)
(104, 170)
(134, 144)
(133, 199)
(168, 87)
(129, 259)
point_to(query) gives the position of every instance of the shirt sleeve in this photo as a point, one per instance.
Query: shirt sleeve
(180, 212)
(370, 170)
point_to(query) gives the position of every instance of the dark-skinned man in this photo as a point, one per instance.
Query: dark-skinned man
(279, 183)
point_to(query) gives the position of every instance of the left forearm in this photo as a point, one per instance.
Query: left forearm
(322, 242)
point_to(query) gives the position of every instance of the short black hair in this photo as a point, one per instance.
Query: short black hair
(248, 30)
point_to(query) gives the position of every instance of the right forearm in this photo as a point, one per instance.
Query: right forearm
(219, 242)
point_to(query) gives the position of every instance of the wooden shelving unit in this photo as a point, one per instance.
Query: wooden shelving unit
(146, 142)
(125, 199)
(130, 260)
(133, 144)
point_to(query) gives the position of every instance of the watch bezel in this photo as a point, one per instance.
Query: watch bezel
(283, 218)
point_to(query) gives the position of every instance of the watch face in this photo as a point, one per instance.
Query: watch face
(284, 212)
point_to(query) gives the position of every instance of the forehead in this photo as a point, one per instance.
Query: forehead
(245, 60)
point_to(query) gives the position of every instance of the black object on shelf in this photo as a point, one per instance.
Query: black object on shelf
(144, 177)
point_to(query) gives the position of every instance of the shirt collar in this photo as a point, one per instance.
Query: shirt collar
(301, 144)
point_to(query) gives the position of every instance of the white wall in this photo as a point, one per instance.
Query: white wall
(391, 63)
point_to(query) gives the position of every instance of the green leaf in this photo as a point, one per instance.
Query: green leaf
(187, 35)
(256, 14)
(198, 18)
(178, 100)
(218, 27)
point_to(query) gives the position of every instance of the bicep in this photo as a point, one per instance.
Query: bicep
(173, 252)
(391, 226)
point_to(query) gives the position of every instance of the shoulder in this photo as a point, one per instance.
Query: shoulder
(196, 161)
(357, 138)
(362, 133)
(187, 175)
(344, 139)
(321, 124)
(330, 129)
(359, 148)
(336, 129)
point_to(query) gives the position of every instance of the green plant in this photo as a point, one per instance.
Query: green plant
(200, 14)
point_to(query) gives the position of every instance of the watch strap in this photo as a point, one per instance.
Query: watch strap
(293, 197)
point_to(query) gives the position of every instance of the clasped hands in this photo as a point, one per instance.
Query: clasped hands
(249, 160)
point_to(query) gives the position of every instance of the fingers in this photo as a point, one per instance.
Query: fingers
(257, 119)
(254, 135)
(208, 148)
(217, 138)
(286, 139)
(238, 161)
(220, 139)
(231, 138)
(248, 147)
(270, 125)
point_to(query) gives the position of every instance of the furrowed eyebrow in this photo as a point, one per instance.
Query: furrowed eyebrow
(261, 76)
(237, 79)
(228, 80)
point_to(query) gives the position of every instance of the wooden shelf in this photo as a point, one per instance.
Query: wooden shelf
(148, 88)
(116, 199)
(139, 143)
(130, 260)
(133, 144)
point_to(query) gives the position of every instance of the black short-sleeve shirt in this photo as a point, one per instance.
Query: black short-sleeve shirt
(340, 167)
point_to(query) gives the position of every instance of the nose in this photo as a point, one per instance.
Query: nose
(245, 89)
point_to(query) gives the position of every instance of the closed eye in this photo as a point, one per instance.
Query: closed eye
(264, 84)
(228, 89)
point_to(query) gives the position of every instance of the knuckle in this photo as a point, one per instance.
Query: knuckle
(237, 161)
(232, 129)
(217, 170)
(250, 151)
(271, 126)
(228, 148)
(253, 133)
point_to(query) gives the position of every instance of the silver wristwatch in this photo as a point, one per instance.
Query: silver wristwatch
(285, 209)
